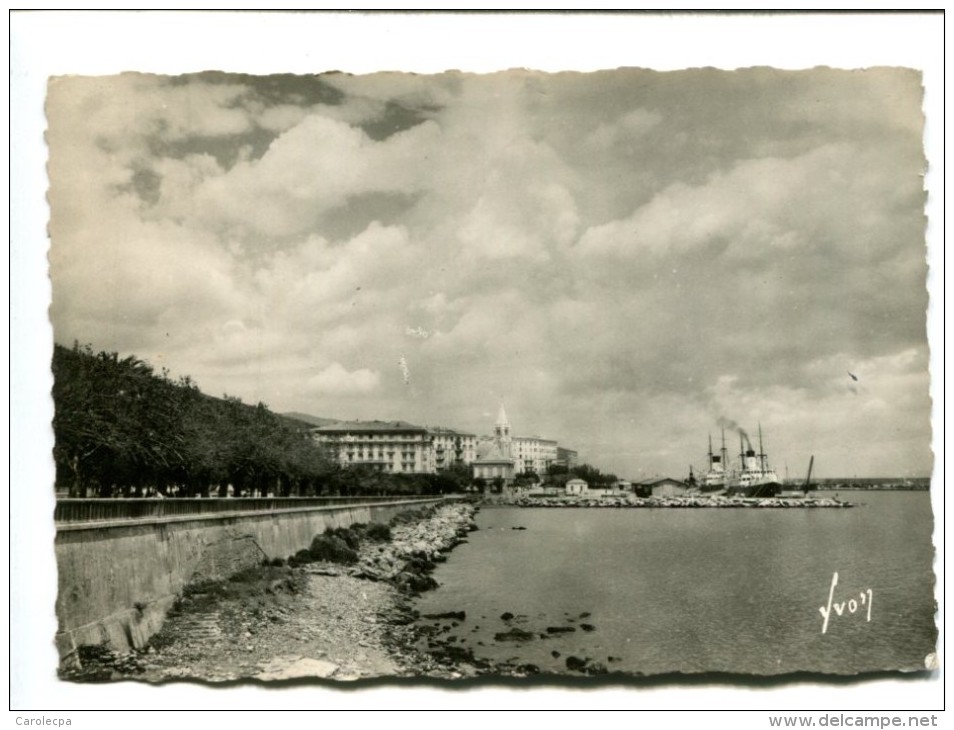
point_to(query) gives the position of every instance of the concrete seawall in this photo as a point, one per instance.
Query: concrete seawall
(117, 580)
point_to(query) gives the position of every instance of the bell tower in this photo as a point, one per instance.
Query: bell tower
(502, 433)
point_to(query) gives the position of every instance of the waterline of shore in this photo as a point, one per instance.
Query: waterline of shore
(363, 620)
(635, 592)
(318, 620)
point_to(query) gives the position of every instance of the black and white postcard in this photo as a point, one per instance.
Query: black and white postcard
(539, 375)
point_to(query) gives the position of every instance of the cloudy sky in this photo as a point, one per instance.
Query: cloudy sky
(625, 259)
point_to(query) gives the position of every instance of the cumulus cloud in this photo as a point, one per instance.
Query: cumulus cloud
(339, 381)
(623, 132)
(622, 257)
(167, 110)
(281, 117)
(184, 272)
(319, 281)
(311, 168)
(761, 207)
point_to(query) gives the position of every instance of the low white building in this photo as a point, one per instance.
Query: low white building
(605, 492)
(576, 486)
(661, 487)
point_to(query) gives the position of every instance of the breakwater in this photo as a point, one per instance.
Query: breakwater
(686, 502)
(685, 590)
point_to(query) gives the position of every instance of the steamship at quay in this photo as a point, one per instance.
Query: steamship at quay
(752, 477)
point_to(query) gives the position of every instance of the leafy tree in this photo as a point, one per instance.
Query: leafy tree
(122, 430)
(555, 469)
(593, 476)
(458, 477)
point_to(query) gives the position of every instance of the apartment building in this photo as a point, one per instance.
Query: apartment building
(531, 453)
(566, 457)
(398, 447)
(452, 447)
(395, 447)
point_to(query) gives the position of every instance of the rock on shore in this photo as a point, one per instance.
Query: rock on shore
(323, 621)
(415, 549)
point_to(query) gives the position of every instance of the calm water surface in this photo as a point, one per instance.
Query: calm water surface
(700, 590)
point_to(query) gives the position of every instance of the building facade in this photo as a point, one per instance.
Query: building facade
(660, 487)
(394, 447)
(452, 448)
(534, 454)
(576, 487)
(398, 447)
(566, 457)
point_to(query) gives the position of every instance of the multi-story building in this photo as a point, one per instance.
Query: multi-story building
(566, 457)
(394, 447)
(452, 447)
(398, 447)
(531, 453)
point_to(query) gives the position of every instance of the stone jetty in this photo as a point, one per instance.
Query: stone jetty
(681, 502)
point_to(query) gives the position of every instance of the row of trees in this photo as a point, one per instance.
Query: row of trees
(361, 479)
(560, 473)
(121, 429)
(557, 475)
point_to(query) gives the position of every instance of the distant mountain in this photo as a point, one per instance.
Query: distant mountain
(310, 420)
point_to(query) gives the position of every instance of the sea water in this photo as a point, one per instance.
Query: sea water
(700, 590)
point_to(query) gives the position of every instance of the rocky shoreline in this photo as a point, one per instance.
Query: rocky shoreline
(435, 646)
(340, 610)
(344, 609)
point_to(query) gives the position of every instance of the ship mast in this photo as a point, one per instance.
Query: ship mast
(761, 450)
(725, 453)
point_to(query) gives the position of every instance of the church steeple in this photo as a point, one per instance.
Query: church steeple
(502, 432)
(502, 427)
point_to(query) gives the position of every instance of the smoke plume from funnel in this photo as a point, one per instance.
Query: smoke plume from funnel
(733, 426)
